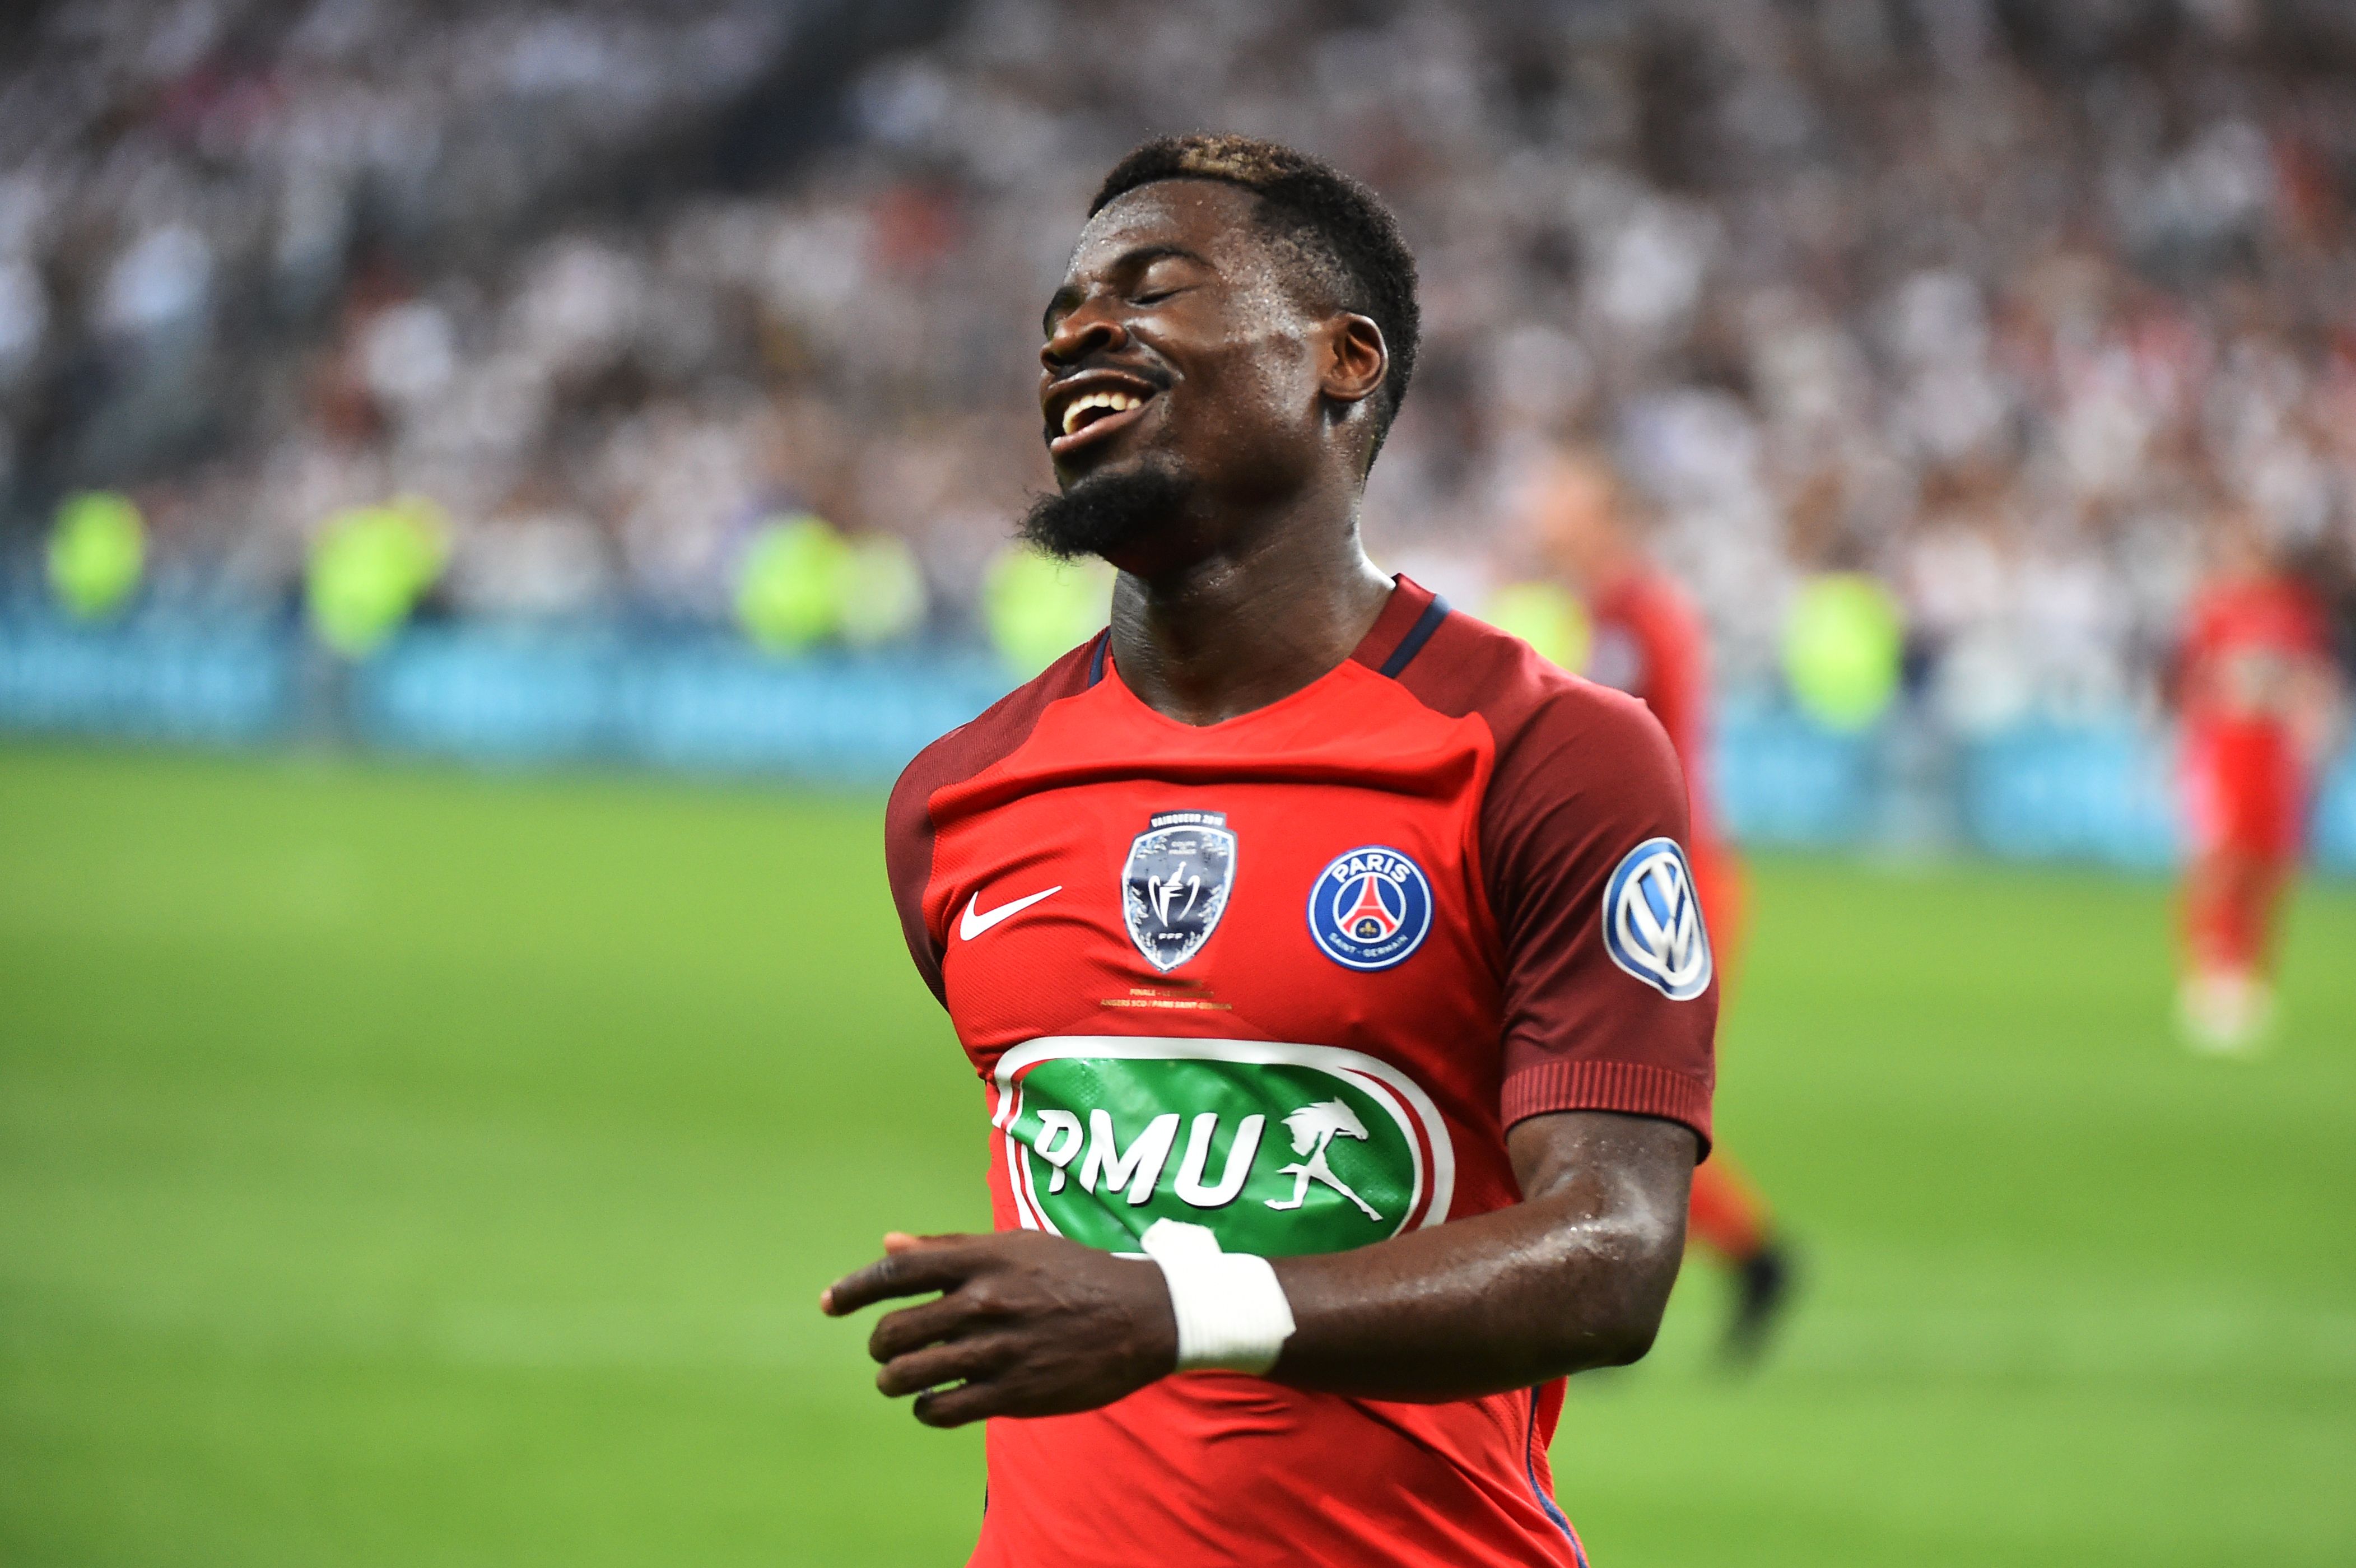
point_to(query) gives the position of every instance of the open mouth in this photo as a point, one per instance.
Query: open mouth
(1095, 414)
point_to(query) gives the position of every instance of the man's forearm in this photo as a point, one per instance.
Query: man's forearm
(1573, 1278)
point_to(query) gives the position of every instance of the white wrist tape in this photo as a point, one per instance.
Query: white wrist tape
(1232, 1315)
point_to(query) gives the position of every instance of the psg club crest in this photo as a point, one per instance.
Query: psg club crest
(1652, 922)
(1175, 885)
(1370, 909)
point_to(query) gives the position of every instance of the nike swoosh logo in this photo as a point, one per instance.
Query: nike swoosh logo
(976, 923)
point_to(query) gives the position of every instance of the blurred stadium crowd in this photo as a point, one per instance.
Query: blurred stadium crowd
(2004, 302)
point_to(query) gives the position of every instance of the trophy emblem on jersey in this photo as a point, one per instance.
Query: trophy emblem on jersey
(1175, 885)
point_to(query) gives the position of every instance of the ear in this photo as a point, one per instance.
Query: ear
(1354, 359)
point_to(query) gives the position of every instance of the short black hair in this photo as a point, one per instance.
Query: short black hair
(1347, 245)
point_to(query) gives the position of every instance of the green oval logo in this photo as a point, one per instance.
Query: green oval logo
(1279, 1148)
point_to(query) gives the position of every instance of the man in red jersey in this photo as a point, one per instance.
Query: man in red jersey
(1329, 949)
(1647, 639)
(2255, 685)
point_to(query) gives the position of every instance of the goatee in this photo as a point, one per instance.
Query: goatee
(1101, 514)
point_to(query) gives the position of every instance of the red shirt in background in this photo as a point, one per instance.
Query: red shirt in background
(2245, 647)
(1651, 642)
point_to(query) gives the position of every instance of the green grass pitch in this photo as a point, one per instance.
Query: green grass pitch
(404, 1169)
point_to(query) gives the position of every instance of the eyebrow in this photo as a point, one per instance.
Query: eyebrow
(1066, 299)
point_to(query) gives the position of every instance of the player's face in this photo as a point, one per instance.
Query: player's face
(1173, 344)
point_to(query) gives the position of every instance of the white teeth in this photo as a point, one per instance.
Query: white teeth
(1113, 402)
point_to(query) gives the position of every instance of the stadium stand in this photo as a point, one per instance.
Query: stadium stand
(1994, 300)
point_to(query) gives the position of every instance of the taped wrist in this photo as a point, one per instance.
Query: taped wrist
(1232, 1314)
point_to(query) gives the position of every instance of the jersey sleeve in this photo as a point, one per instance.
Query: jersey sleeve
(909, 864)
(1609, 993)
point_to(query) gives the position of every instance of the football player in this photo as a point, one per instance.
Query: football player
(2257, 691)
(1329, 961)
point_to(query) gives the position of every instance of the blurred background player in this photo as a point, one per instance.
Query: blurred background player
(1646, 638)
(2258, 694)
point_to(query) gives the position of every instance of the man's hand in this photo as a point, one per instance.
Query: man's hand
(1026, 1323)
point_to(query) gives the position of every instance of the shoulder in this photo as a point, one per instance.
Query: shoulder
(963, 752)
(1535, 710)
(998, 730)
(1580, 772)
(978, 744)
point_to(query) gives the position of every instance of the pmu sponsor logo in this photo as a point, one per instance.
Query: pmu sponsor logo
(1279, 1148)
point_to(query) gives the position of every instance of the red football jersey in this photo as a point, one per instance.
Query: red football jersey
(2245, 781)
(1292, 976)
(1650, 642)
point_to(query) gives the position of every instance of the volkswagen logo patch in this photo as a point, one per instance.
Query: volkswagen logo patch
(1370, 909)
(1175, 885)
(1652, 922)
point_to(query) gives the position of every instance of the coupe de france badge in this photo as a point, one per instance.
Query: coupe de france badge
(1175, 885)
(1652, 922)
(1370, 909)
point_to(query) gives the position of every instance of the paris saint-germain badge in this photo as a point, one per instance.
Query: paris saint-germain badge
(1651, 921)
(1175, 885)
(1370, 909)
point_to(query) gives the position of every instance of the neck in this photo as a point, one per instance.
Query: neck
(1251, 622)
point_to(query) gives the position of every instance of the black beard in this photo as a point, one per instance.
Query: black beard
(1098, 516)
